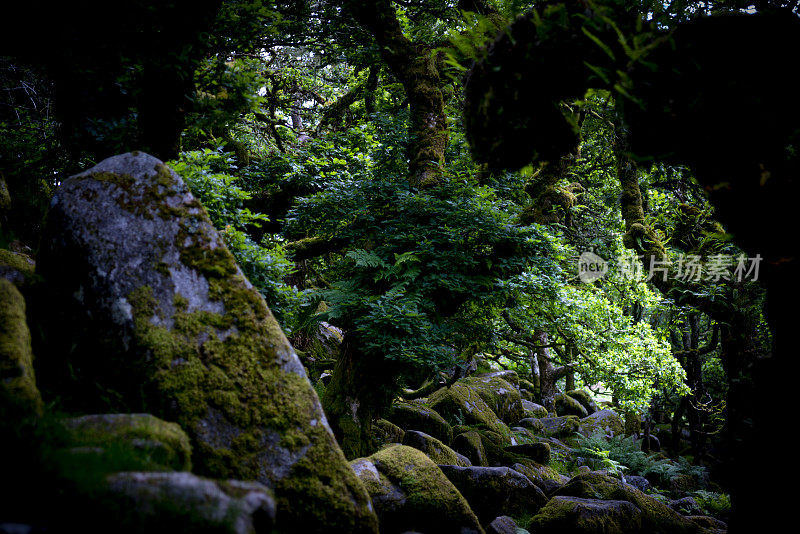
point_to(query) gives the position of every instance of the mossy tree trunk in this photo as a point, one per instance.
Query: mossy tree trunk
(418, 67)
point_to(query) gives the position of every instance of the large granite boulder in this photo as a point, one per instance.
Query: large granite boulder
(578, 515)
(183, 502)
(566, 405)
(410, 493)
(498, 393)
(416, 416)
(19, 396)
(461, 404)
(560, 427)
(16, 267)
(533, 410)
(469, 444)
(605, 422)
(654, 516)
(495, 491)
(161, 443)
(434, 449)
(147, 307)
(586, 400)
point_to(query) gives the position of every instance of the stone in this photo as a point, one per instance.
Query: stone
(656, 517)
(434, 449)
(495, 491)
(160, 442)
(415, 416)
(605, 422)
(470, 445)
(174, 502)
(560, 427)
(460, 404)
(533, 410)
(410, 493)
(19, 395)
(583, 397)
(385, 432)
(502, 525)
(538, 452)
(533, 424)
(640, 483)
(15, 267)
(498, 392)
(547, 478)
(578, 515)
(145, 301)
(566, 405)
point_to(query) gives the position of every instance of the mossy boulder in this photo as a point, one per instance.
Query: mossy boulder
(547, 478)
(434, 449)
(503, 525)
(559, 427)
(162, 443)
(183, 502)
(495, 491)
(148, 308)
(538, 452)
(533, 410)
(566, 405)
(460, 404)
(384, 432)
(416, 416)
(506, 375)
(410, 493)
(19, 396)
(469, 444)
(656, 517)
(587, 516)
(605, 422)
(15, 267)
(583, 397)
(498, 393)
(534, 425)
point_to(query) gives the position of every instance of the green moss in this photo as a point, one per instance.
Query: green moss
(432, 502)
(230, 378)
(412, 416)
(470, 445)
(157, 441)
(460, 404)
(499, 394)
(18, 262)
(21, 397)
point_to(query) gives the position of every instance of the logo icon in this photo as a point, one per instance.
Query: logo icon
(591, 267)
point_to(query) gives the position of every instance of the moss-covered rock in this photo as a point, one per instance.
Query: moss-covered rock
(470, 445)
(434, 449)
(148, 308)
(183, 502)
(583, 397)
(538, 452)
(409, 492)
(19, 396)
(547, 478)
(534, 425)
(559, 427)
(459, 405)
(417, 416)
(498, 393)
(633, 423)
(587, 516)
(656, 517)
(495, 491)
(506, 375)
(15, 267)
(605, 422)
(566, 405)
(533, 410)
(385, 432)
(160, 442)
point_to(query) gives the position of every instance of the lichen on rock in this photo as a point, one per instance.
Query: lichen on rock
(153, 314)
